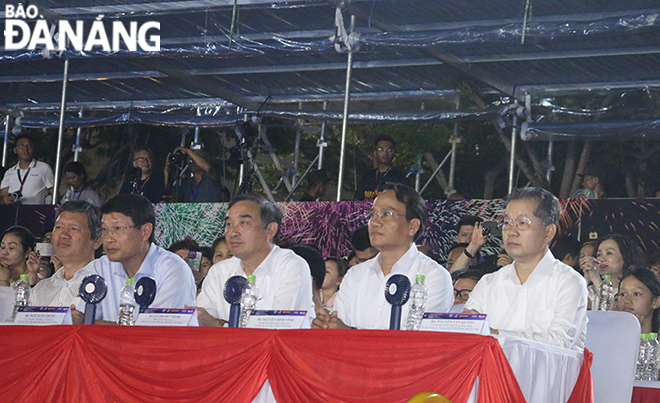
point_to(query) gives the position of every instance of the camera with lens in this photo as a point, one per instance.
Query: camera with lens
(17, 195)
(178, 158)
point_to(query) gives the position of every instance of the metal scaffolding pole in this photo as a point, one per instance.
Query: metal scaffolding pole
(344, 124)
(5, 145)
(512, 161)
(60, 133)
(76, 147)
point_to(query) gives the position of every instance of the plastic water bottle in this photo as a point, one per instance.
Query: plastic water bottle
(22, 298)
(641, 357)
(249, 299)
(651, 370)
(127, 304)
(418, 294)
(605, 293)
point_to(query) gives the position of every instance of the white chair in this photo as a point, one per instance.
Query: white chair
(613, 338)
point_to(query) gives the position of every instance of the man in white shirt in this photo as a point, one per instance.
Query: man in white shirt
(282, 277)
(29, 181)
(76, 235)
(537, 296)
(127, 227)
(397, 219)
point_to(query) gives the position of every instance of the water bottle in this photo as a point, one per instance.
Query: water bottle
(651, 370)
(22, 297)
(641, 358)
(127, 304)
(249, 299)
(605, 293)
(418, 294)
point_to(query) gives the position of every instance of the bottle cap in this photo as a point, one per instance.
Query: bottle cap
(25, 277)
(607, 277)
(251, 278)
(130, 281)
(420, 277)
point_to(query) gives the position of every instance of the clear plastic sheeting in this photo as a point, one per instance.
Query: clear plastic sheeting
(422, 116)
(603, 131)
(233, 119)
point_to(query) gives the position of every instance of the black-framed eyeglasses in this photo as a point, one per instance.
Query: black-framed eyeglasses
(462, 294)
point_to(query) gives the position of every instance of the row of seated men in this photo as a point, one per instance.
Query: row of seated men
(536, 297)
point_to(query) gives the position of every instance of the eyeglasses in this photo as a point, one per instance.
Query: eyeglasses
(385, 215)
(141, 159)
(462, 294)
(106, 232)
(382, 149)
(521, 224)
(25, 145)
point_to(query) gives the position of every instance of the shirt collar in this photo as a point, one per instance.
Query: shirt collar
(401, 265)
(265, 267)
(32, 165)
(543, 268)
(146, 268)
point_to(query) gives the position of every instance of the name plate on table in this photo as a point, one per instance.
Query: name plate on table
(43, 315)
(276, 319)
(164, 317)
(456, 323)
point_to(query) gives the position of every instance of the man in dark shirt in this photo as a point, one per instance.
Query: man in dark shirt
(202, 186)
(373, 181)
(149, 183)
(317, 184)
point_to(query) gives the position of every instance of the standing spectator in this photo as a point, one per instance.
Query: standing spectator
(592, 184)
(317, 184)
(373, 182)
(29, 181)
(148, 182)
(75, 176)
(202, 185)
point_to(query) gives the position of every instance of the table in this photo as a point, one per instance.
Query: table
(134, 364)
(646, 392)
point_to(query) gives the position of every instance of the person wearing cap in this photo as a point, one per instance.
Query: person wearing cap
(592, 186)
(317, 184)
(202, 185)
(396, 219)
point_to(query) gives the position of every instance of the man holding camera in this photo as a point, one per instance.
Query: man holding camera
(29, 181)
(198, 182)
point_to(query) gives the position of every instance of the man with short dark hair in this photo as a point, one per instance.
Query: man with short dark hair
(361, 246)
(397, 219)
(29, 181)
(282, 277)
(373, 181)
(201, 185)
(465, 227)
(317, 184)
(76, 235)
(592, 184)
(536, 297)
(128, 232)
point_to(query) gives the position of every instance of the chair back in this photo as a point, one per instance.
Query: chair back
(7, 296)
(613, 338)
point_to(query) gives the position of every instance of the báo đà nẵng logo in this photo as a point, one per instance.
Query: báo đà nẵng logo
(73, 36)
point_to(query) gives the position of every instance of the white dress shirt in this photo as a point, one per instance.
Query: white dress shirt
(39, 179)
(361, 299)
(550, 307)
(175, 284)
(56, 291)
(283, 279)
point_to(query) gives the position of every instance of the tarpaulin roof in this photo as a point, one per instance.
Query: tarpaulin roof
(283, 52)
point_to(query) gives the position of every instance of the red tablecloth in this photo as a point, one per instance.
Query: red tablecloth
(646, 394)
(135, 364)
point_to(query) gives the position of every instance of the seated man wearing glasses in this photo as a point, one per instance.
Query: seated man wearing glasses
(127, 229)
(372, 182)
(396, 220)
(537, 296)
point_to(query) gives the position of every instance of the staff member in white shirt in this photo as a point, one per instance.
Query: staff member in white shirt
(76, 235)
(282, 277)
(28, 182)
(396, 220)
(537, 296)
